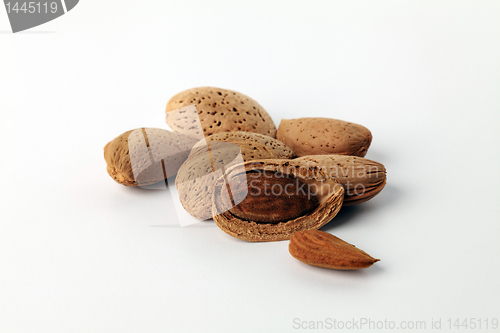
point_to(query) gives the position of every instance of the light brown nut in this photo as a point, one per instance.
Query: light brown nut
(325, 195)
(206, 163)
(361, 178)
(321, 249)
(253, 145)
(318, 136)
(219, 110)
(146, 156)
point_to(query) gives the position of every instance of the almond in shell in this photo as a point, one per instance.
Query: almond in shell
(146, 156)
(318, 136)
(288, 197)
(210, 158)
(218, 110)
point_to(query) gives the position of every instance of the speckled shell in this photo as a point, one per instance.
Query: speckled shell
(361, 178)
(142, 151)
(318, 136)
(219, 110)
(197, 176)
(252, 145)
(330, 196)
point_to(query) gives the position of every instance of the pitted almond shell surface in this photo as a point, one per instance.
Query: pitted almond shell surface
(318, 136)
(361, 178)
(321, 249)
(220, 110)
(253, 145)
(329, 195)
(153, 154)
(209, 157)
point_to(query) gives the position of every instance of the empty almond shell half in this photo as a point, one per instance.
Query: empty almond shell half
(244, 215)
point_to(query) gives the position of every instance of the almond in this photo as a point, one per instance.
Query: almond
(361, 178)
(321, 249)
(208, 160)
(146, 156)
(218, 110)
(268, 197)
(318, 136)
(253, 145)
(266, 215)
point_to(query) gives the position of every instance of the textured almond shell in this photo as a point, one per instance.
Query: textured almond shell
(252, 145)
(321, 249)
(150, 146)
(330, 200)
(318, 136)
(220, 110)
(361, 178)
(197, 175)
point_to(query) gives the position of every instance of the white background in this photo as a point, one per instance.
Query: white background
(81, 253)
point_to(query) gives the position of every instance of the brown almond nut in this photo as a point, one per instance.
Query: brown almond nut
(262, 211)
(361, 178)
(146, 156)
(321, 249)
(219, 110)
(318, 136)
(268, 197)
(208, 159)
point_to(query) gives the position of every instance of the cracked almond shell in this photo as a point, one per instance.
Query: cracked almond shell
(197, 175)
(329, 196)
(318, 136)
(219, 110)
(361, 178)
(145, 156)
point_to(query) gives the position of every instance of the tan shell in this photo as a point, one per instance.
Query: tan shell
(361, 178)
(252, 145)
(329, 195)
(197, 176)
(219, 110)
(318, 136)
(146, 156)
(321, 249)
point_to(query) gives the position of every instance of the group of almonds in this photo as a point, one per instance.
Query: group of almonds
(256, 182)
